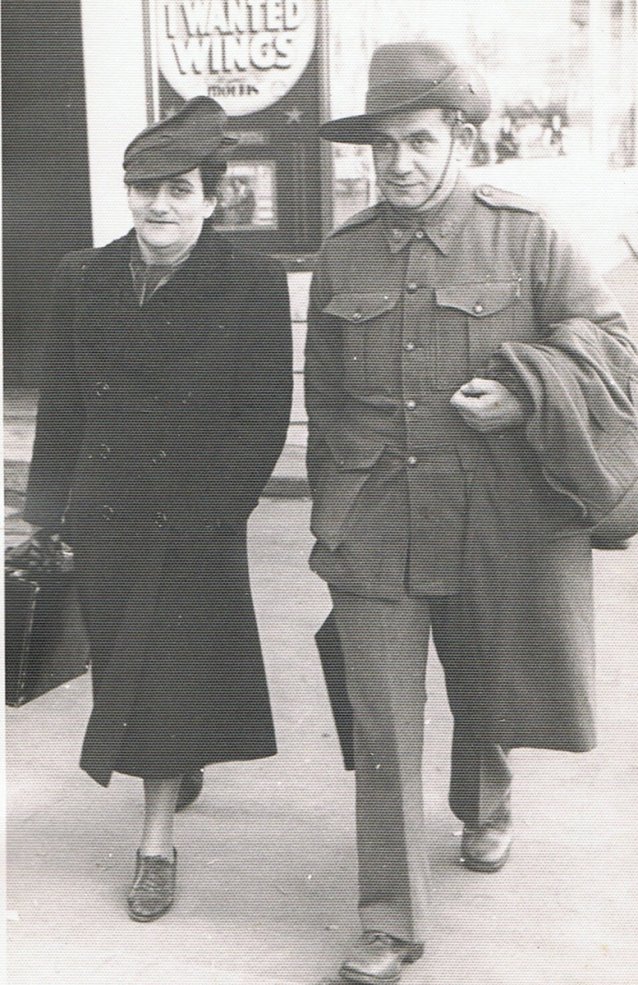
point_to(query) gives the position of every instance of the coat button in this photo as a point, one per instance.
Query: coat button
(478, 308)
(159, 457)
(419, 234)
(186, 399)
(107, 512)
(412, 287)
(357, 316)
(410, 404)
(104, 452)
(412, 460)
(409, 346)
(160, 520)
(102, 389)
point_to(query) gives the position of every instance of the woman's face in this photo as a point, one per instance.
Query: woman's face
(168, 214)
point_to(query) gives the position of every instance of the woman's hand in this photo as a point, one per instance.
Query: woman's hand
(43, 552)
(487, 405)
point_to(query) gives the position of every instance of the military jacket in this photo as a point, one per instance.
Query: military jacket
(403, 311)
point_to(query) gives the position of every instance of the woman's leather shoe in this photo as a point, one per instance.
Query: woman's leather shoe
(377, 958)
(189, 789)
(153, 889)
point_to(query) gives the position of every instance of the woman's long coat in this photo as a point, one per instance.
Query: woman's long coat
(158, 427)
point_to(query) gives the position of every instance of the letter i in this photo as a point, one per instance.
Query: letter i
(171, 26)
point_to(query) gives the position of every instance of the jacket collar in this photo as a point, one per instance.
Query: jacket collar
(205, 275)
(440, 226)
(206, 266)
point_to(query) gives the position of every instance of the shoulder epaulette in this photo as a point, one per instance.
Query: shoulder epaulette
(359, 219)
(498, 198)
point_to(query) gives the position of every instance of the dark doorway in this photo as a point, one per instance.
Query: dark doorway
(46, 197)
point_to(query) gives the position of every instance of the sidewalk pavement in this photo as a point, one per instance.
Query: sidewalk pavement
(267, 865)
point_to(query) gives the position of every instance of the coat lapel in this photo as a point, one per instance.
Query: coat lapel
(107, 299)
(183, 313)
(177, 318)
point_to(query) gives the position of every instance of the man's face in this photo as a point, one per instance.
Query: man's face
(410, 153)
(168, 214)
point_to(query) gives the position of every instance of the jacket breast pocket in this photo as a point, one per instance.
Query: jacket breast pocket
(471, 321)
(362, 318)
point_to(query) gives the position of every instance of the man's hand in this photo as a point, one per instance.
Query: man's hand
(486, 405)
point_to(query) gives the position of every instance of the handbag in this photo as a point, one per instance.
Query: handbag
(46, 643)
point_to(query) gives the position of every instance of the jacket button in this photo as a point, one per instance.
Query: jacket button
(412, 287)
(409, 346)
(186, 399)
(107, 512)
(357, 316)
(478, 308)
(160, 520)
(410, 404)
(419, 234)
(104, 452)
(102, 389)
(159, 457)
(412, 460)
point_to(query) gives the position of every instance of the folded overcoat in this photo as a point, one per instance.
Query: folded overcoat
(158, 427)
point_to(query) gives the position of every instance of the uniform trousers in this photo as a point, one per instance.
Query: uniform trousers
(385, 645)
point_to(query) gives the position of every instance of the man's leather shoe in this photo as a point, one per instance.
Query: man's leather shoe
(189, 789)
(153, 889)
(376, 958)
(486, 849)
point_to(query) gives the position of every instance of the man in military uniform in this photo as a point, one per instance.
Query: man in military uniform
(430, 510)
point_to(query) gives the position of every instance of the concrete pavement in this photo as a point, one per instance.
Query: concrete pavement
(267, 868)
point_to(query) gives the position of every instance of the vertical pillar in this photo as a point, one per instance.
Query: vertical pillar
(116, 104)
(600, 76)
(631, 13)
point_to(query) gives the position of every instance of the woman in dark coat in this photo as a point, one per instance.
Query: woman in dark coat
(164, 407)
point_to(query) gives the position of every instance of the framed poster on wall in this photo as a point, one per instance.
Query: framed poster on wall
(247, 197)
(262, 61)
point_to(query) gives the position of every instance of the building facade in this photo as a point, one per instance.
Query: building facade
(82, 77)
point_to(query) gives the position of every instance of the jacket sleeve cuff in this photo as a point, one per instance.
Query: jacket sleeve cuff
(500, 370)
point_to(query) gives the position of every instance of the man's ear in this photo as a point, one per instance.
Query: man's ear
(465, 137)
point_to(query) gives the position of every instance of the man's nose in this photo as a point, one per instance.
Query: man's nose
(402, 161)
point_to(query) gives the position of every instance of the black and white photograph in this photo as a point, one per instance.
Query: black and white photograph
(320, 364)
